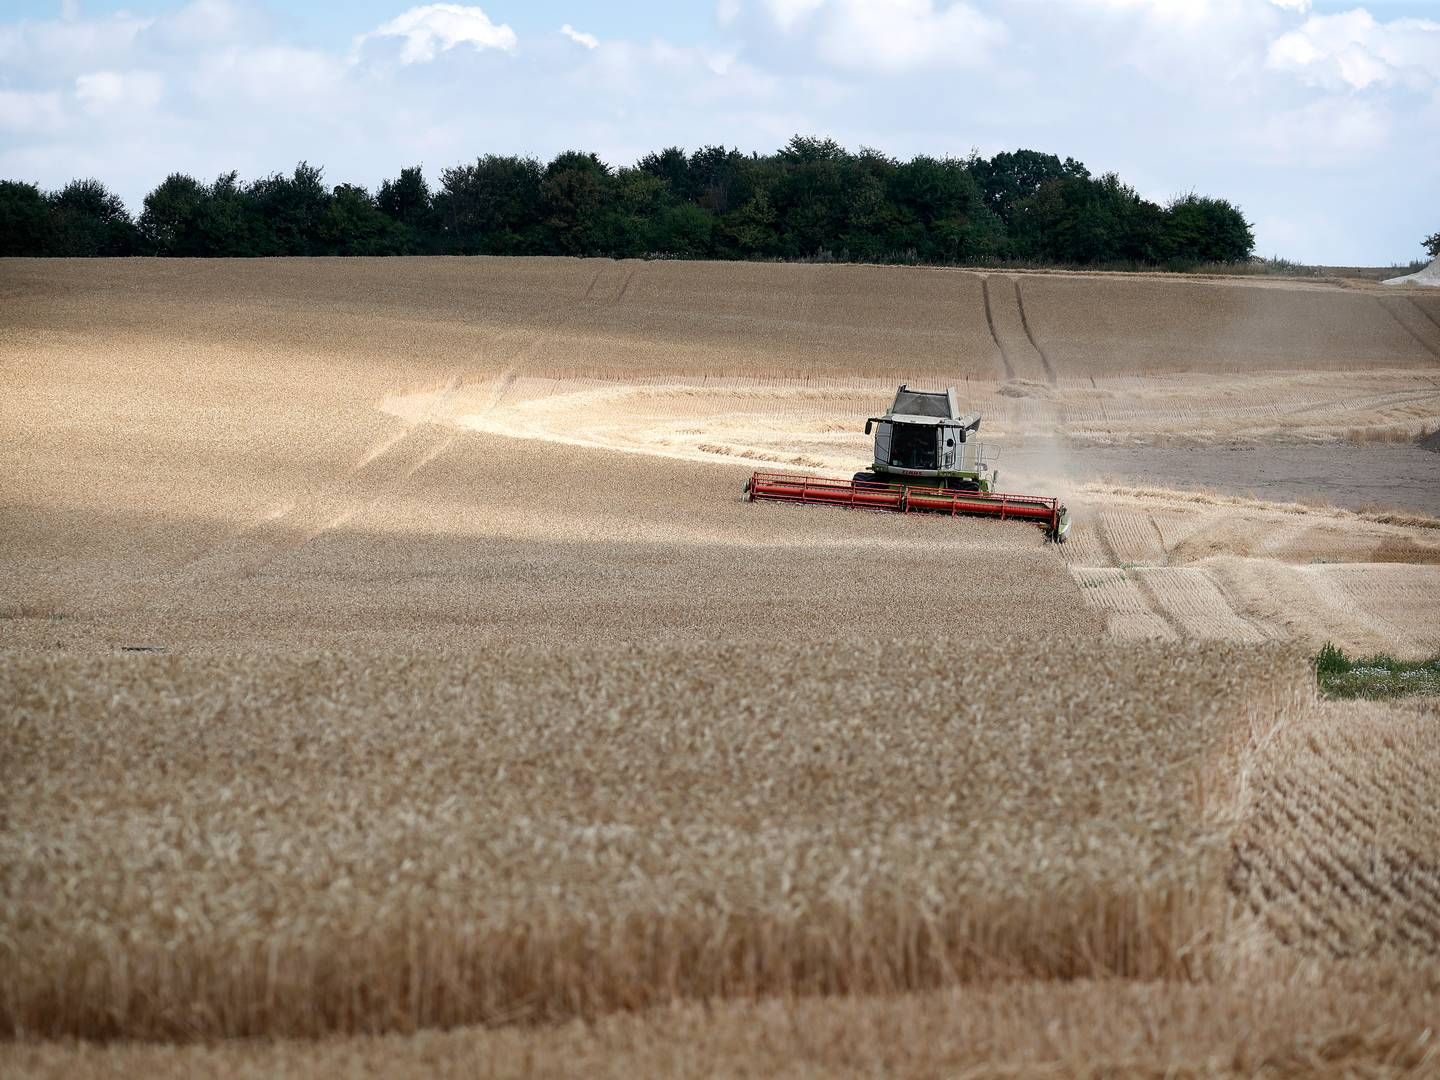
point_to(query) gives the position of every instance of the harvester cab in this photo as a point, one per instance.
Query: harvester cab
(927, 460)
(924, 434)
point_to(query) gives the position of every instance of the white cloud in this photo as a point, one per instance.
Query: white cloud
(786, 13)
(891, 35)
(1355, 51)
(898, 35)
(435, 28)
(727, 11)
(590, 41)
(26, 111)
(1329, 133)
(206, 22)
(274, 74)
(107, 93)
(66, 47)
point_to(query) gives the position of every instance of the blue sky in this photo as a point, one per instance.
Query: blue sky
(1320, 118)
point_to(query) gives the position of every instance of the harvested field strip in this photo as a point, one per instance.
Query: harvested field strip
(299, 846)
(780, 418)
(1132, 538)
(1341, 852)
(1234, 599)
(1128, 610)
(1404, 597)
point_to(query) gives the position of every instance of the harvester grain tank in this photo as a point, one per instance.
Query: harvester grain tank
(928, 459)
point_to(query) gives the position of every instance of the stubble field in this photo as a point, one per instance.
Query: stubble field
(387, 648)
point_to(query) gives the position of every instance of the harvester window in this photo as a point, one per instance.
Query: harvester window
(914, 446)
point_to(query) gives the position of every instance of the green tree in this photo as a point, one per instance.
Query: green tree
(87, 219)
(672, 166)
(809, 196)
(25, 227)
(1011, 177)
(231, 224)
(1199, 229)
(717, 178)
(1432, 244)
(293, 210)
(172, 218)
(355, 225)
(753, 226)
(492, 207)
(629, 226)
(684, 231)
(407, 200)
(574, 192)
(952, 222)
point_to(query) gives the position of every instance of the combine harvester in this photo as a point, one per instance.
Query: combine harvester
(924, 436)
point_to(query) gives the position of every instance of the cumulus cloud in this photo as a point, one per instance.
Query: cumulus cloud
(891, 35)
(109, 93)
(590, 41)
(271, 74)
(1329, 133)
(898, 35)
(205, 22)
(65, 47)
(1355, 51)
(786, 13)
(431, 29)
(27, 111)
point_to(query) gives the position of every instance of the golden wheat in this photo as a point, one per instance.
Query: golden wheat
(1285, 1027)
(298, 846)
(572, 799)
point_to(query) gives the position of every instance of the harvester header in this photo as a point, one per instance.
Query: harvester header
(928, 459)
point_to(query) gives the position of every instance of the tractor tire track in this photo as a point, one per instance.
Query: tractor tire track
(990, 322)
(1431, 349)
(1030, 334)
(376, 474)
(1417, 306)
(625, 285)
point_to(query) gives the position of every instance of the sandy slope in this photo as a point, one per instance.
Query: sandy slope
(302, 452)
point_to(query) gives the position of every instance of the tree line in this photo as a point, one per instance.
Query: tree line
(812, 199)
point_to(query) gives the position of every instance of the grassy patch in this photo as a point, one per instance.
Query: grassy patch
(1379, 676)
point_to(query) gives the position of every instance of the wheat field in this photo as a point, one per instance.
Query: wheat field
(393, 674)
(541, 836)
